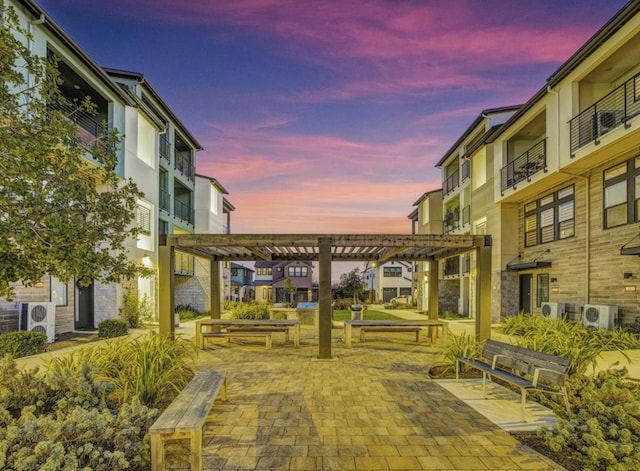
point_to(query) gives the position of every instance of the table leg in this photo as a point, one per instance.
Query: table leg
(347, 335)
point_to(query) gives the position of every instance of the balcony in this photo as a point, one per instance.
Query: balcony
(529, 163)
(184, 164)
(89, 128)
(452, 266)
(185, 264)
(451, 182)
(451, 219)
(183, 211)
(165, 149)
(466, 169)
(608, 113)
(165, 200)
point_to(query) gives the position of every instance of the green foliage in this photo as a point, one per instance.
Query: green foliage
(342, 304)
(186, 312)
(110, 328)
(151, 368)
(603, 430)
(22, 343)
(61, 214)
(569, 340)
(370, 315)
(250, 311)
(61, 420)
(350, 286)
(399, 306)
(464, 345)
(135, 310)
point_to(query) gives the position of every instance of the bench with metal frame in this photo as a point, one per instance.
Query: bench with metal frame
(527, 369)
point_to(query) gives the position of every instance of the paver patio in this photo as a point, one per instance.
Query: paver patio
(372, 407)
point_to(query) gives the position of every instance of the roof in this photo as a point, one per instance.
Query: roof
(425, 195)
(623, 16)
(306, 247)
(484, 114)
(214, 182)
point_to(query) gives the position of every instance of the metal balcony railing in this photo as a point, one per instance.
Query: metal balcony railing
(165, 200)
(89, 128)
(184, 164)
(451, 220)
(466, 169)
(452, 266)
(165, 149)
(451, 182)
(611, 111)
(185, 264)
(534, 160)
(466, 215)
(183, 211)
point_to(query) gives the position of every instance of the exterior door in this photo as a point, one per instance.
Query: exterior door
(84, 304)
(526, 287)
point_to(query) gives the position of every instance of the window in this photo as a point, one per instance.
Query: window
(263, 271)
(392, 271)
(543, 289)
(58, 292)
(143, 219)
(621, 194)
(297, 271)
(550, 218)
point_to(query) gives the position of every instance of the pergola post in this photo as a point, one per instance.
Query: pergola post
(434, 294)
(166, 273)
(483, 292)
(324, 298)
(214, 289)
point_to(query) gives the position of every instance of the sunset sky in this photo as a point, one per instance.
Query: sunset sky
(329, 116)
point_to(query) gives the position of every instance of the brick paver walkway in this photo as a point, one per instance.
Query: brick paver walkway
(372, 407)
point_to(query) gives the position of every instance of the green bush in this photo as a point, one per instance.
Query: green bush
(135, 310)
(61, 420)
(22, 343)
(110, 328)
(464, 345)
(186, 312)
(250, 311)
(151, 368)
(573, 341)
(603, 429)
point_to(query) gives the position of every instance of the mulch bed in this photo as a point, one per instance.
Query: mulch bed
(71, 339)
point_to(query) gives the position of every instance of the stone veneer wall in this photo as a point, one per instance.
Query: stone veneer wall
(190, 290)
(449, 292)
(106, 301)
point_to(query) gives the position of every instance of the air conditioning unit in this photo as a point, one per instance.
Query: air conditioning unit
(553, 310)
(39, 317)
(600, 316)
(608, 119)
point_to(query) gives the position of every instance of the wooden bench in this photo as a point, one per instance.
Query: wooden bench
(185, 417)
(389, 328)
(526, 369)
(261, 328)
(229, 334)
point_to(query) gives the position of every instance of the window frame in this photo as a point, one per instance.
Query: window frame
(542, 289)
(535, 210)
(630, 178)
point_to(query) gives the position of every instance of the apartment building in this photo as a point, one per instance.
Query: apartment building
(555, 182)
(157, 152)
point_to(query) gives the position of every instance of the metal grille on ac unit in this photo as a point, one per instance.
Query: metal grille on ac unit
(600, 316)
(553, 310)
(39, 317)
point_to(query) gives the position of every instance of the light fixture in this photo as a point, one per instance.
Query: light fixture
(146, 261)
(627, 275)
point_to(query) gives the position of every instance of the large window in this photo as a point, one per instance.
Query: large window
(622, 194)
(297, 271)
(263, 270)
(550, 218)
(392, 271)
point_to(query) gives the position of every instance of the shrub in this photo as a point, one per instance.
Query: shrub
(603, 430)
(573, 341)
(186, 312)
(61, 420)
(22, 343)
(250, 311)
(110, 328)
(135, 310)
(151, 368)
(464, 345)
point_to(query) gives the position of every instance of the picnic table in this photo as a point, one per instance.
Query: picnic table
(229, 327)
(394, 325)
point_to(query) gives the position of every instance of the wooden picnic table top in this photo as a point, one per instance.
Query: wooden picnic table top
(249, 322)
(389, 322)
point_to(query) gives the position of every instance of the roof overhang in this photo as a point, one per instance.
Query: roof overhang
(360, 247)
(528, 265)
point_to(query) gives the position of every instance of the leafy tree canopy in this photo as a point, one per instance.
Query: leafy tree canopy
(350, 285)
(63, 209)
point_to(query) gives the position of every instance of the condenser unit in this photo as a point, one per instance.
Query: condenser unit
(39, 317)
(608, 119)
(600, 316)
(553, 310)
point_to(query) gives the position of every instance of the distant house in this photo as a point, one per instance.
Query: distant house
(242, 288)
(271, 285)
(388, 280)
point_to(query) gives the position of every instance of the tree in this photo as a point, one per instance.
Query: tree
(290, 287)
(61, 213)
(351, 285)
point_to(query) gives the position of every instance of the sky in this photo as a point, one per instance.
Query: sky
(329, 116)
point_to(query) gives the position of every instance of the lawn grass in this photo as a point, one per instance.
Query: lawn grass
(344, 314)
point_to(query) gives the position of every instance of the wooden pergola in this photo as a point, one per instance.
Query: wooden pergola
(324, 249)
